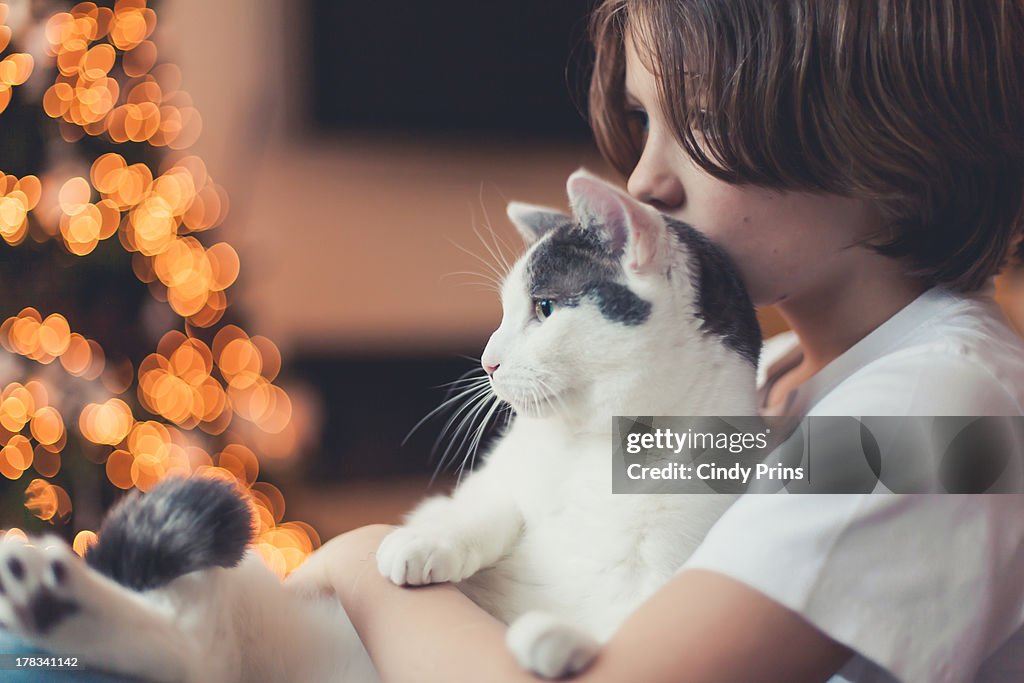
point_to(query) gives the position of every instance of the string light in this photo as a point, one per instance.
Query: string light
(157, 218)
(14, 68)
(18, 196)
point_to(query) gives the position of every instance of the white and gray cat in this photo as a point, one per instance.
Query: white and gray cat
(616, 310)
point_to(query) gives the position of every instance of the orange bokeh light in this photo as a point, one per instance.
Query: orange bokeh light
(108, 83)
(47, 426)
(45, 462)
(84, 540)
(106, 423)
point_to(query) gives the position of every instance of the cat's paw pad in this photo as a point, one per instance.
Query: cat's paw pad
(411, 558)
(37, 586)
(549, 647)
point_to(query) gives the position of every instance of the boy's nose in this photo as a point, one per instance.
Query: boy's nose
(655, 182)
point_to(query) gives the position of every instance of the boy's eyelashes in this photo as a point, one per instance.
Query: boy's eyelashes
(639, 116)
(638, 122)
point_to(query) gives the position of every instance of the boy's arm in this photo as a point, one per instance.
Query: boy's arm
(699, 627)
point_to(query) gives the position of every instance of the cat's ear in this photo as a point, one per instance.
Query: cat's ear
(631, 228)
(533, 221)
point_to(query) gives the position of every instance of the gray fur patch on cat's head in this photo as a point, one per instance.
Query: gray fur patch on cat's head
(723, 304)
(572, 264)
(581, 258)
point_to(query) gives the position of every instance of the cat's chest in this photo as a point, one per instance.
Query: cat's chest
(564, 492)
(585, 553)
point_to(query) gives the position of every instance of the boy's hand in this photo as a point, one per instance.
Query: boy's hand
(347, 555)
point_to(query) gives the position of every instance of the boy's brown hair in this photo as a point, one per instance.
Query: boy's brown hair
(915, 104)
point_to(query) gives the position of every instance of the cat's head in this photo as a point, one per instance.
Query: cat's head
(619, 310)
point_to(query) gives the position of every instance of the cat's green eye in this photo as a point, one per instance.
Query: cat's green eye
(543, 308)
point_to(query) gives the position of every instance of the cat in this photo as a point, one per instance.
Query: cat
(615, 310)
(169, 593)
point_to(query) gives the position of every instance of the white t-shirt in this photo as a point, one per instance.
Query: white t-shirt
(923, 588)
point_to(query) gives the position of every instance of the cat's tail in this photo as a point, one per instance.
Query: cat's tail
(181, 526)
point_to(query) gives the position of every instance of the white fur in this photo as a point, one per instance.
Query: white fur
(544, 543)
(534, 536)
(235, 625)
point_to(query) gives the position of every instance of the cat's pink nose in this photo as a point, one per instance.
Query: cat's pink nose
(491, 369)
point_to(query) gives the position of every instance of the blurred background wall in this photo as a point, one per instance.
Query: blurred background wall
(362, 189)
(369, 150)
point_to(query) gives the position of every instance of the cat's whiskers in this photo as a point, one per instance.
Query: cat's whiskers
(535, 399)
(507, 409)
(489, 282)
(470, 434)
(462, 380)
(474, 446)
(476, 396)
(495, 239)
(470, 408)
(495, 253)
(471, 386)
(490, 266)
(552, 394)
(471, 397)
(465, 427)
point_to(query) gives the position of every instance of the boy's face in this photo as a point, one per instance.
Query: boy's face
(789, 246)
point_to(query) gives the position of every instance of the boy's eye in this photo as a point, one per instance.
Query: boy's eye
(638, 120)
(543, 308)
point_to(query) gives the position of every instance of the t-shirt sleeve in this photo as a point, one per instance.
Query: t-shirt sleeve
(922, 587)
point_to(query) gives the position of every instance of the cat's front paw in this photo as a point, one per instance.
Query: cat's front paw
(37, 586)
(549, 647)
(412, 558)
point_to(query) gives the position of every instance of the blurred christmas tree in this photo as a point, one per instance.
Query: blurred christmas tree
(121, 364)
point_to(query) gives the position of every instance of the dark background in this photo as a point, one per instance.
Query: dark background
(450, 67)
